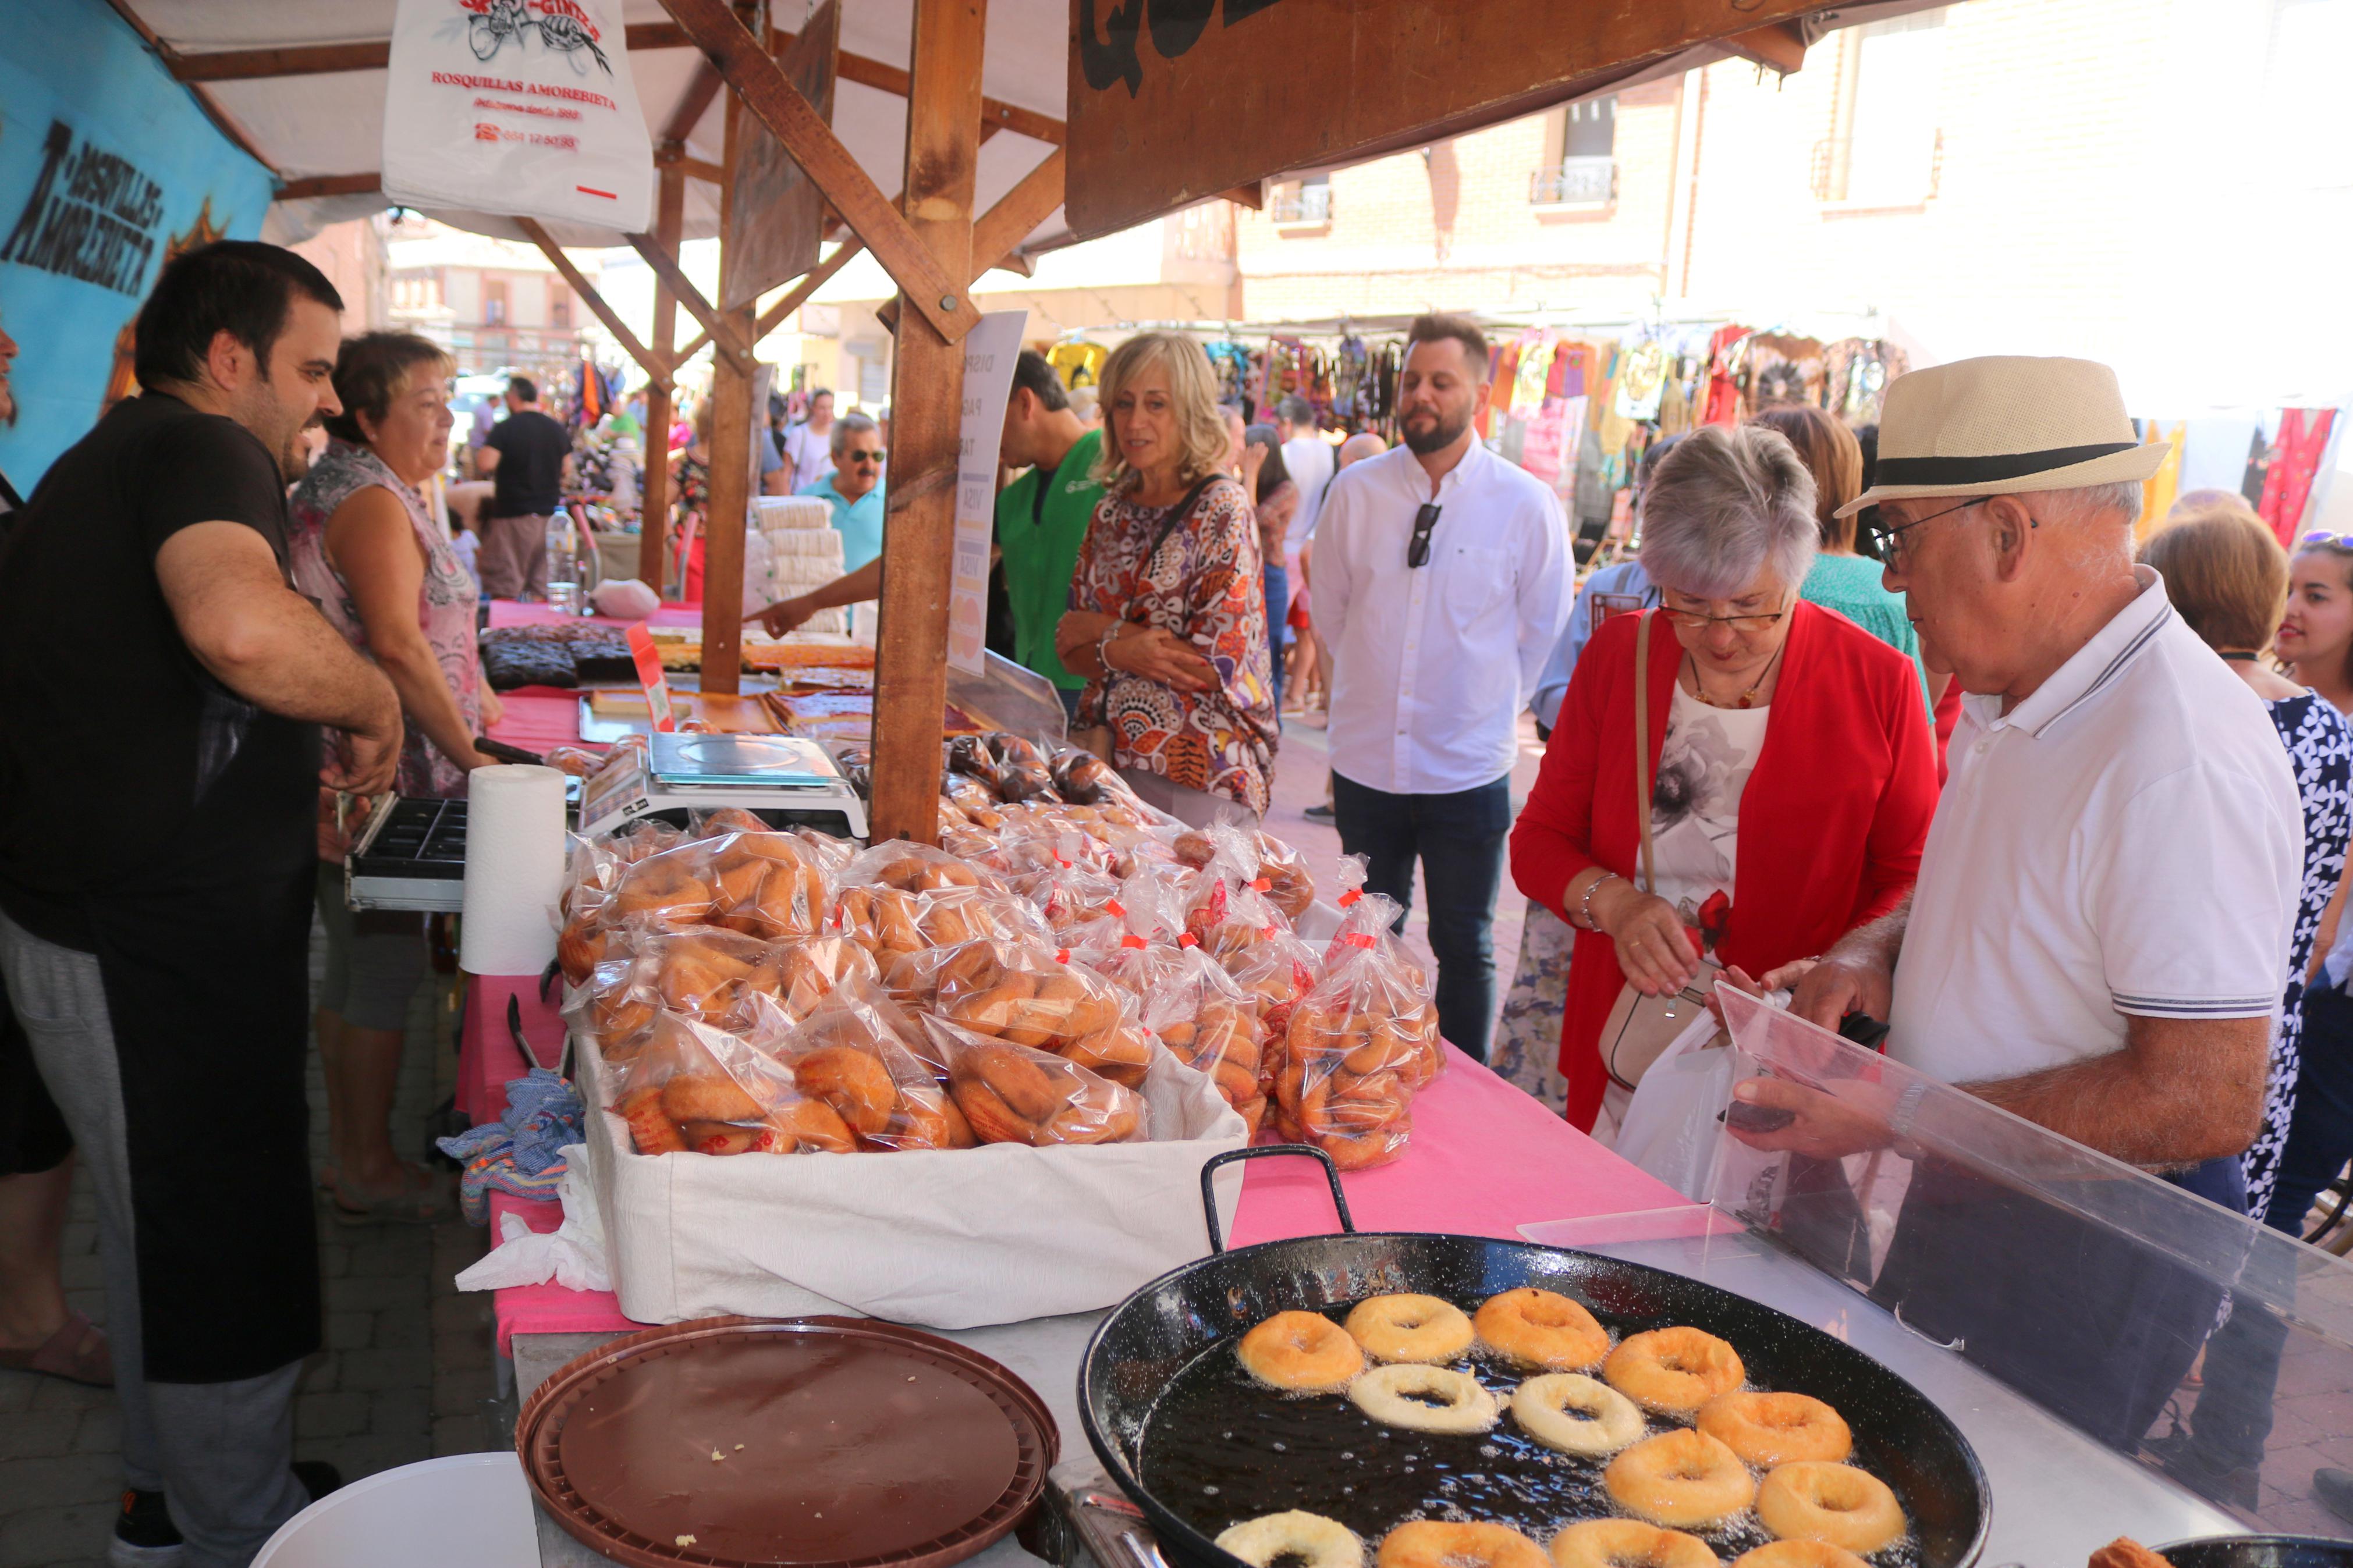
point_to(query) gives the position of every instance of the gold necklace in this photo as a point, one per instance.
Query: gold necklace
(1747, 698)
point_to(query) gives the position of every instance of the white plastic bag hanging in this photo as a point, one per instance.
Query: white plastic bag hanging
(518, 108)
(1671, 1126)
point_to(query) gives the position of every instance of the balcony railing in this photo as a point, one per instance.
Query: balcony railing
(1575, 182)
(1303, 203)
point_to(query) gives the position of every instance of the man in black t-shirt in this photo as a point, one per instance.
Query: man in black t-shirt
(161, 690)
(526, 454)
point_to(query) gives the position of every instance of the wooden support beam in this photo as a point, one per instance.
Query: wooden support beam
(328, 185)
(762, 87)
(999, 232)
(656, 371)
(653, 492)
(720, 328)
(1777, 45)
(926, 410)
(673, 155)
(1252, 195)
(733, 431)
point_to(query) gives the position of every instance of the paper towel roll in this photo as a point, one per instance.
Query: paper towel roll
(514, 869)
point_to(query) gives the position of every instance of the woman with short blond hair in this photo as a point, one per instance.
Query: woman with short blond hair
(1167, 617)
(2227, 577)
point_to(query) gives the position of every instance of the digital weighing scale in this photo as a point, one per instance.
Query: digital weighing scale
(787, 781)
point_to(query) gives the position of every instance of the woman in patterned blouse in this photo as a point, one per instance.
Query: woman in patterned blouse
(1168, 616)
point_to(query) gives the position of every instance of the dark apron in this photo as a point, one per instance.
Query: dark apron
(205, 968)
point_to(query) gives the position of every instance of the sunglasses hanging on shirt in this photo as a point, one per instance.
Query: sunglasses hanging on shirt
(1417, 550)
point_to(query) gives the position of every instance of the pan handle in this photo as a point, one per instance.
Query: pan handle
(1209, 1195)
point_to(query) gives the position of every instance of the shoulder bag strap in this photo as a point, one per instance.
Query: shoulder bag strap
(1642, 741)
(1179, 513)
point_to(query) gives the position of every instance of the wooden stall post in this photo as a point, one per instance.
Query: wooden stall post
(926, 403)
(653, 494)
(731, 472)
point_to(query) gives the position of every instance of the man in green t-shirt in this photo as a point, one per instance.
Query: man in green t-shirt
(1041, 520)
(1042, 517)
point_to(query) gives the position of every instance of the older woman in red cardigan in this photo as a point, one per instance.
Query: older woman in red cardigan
(1792, 769)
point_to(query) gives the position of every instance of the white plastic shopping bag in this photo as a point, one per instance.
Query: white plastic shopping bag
(523, 108)
(1670, 1129)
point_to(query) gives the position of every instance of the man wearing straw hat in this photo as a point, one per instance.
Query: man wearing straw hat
(2097, 940)
(2099, 930)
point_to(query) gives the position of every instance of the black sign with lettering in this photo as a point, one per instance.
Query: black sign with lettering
(92, 215)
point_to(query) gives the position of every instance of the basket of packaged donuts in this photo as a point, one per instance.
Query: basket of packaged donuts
(1049, 1024)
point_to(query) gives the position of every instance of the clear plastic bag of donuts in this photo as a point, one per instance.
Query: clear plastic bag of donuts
(699, 1090)
(1015, 1094)
(1202, 1017)
(882, 920)
(610, 1007)
(1131, 943)
(1227, 910)
(1069, 896)
(718, 821)
(1022, 771)
(1275, 867)
(670, 887)
(955, 916)
(970, 796)
(911, 867)
(1360, 1044)
(793, 977)
(1274, 975)
(1029, 995)
(859, 1052)
(1083, 778)
(769, 884)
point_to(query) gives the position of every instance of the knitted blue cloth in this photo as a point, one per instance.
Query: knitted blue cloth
(520, 1153)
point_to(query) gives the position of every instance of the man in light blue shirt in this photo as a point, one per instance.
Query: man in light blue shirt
(854, 488)
(1622, 582)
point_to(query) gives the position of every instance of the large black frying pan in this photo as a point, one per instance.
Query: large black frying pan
(1156, 1333)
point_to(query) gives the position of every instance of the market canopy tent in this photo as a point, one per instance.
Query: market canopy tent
(944, 156)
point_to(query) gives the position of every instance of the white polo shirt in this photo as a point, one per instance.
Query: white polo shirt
(2127, 840)
(1432, 664)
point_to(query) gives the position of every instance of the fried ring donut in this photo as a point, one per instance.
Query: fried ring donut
(1404, 1327)
(1683, 1478)
(1435, 1543)
(854, 1082)
(1628, 1543)
(1575, 1414)
(1304, 1351)
(1769, 1430)
(720, 1137)
(708, 1097)
(1837, 1505)
(1022, 1084)
(1399, 1396)
(813, 1124)
(990, 1119)
(1797, 1554)
(1541, 1328)
(1316, 1542)
(1673, 1370)
(649, 1130)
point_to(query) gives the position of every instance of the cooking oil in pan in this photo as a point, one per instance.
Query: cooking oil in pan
(1220, 1448)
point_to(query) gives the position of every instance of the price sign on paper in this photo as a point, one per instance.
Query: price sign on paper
(989, 350)
(647, 658)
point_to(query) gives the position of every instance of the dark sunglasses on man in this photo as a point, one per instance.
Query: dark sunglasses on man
(855, 456)
(1417, 550)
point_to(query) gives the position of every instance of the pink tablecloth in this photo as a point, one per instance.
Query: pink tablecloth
(1485, 1160)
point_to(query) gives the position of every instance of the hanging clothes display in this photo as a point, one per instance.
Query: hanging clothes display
(2158, 490)
(1643, 383)
(1348, 371)
(1231, 361)
(2295, 460)
(1782, 370)
(1726, 358)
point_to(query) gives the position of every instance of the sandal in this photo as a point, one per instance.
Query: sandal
(426, 1203)
(77, 1352)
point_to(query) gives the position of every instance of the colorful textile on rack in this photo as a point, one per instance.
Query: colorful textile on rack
(2295, 458)
(2157, 494)
(1723, 365)
(1078, 363)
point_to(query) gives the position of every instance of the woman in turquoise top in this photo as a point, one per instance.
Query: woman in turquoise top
(1841, 579)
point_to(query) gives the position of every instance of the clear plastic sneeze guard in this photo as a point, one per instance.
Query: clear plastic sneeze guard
(2086, 1285)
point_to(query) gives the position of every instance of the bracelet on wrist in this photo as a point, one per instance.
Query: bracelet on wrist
(1584, 916)
(1102, 647)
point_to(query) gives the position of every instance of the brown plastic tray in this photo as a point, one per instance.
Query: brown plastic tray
(806, 1442)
